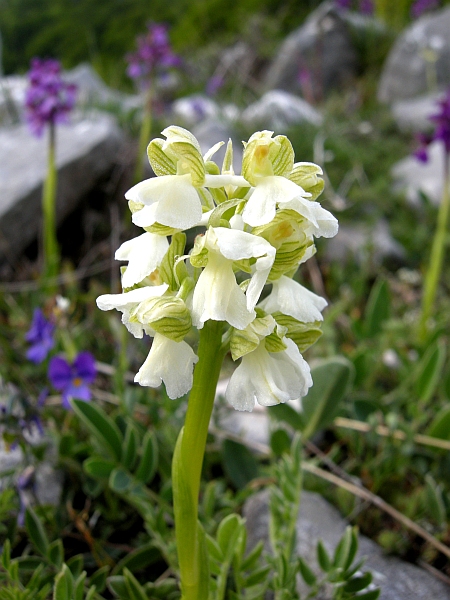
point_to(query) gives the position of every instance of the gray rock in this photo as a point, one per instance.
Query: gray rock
(211, 131)
(92, 90)
(323, 47)
(397, 579)
(414, 114)
(278, 109)
(191, 110)
(413, 177)
(86, 151)
(362, 242)
(419, 61)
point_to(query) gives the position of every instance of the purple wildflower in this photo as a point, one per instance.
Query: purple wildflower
(421, 6)
(213, 85)
(48, 99)
(366, 7)
(343, 4)
(154, 53)
(73, 379)
(40, 336)
(25, 484)
(441, 131)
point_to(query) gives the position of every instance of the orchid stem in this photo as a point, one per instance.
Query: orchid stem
(188, 461)
(50, 243)
(437, 256)
(144, 136)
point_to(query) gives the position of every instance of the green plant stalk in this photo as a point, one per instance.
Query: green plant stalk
(144, 136)
(188, 461)
(50, 243)
(433, 273)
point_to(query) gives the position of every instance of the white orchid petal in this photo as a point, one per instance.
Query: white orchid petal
(293, 299)
(177, 202)
(212, 151)
(145, 217)
(144, 254)
(237, 245)
(323, 223)
(269, 378)
(216, 181)
(119, 301)
(169, 362)
(217, 296)
(269, 191)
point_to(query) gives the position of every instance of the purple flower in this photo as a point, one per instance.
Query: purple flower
(213, 85)
(73, 380)
(40, 336)
(154, 53)
(25, 484)
(421, 6)
(366, 7)
(48, 99)
(343, 4)
(441, 131)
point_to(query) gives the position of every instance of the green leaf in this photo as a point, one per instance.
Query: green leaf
(258, 576)
(63, 584)
(98, 468)
(75, 564)
(133, 587)
(252, 557)
(56, 553)
(430, 369)
(99, 578)
(434, 501)
(343, 549)
(214, 550)
(149, 458)
(116, 584)
(331, 381)
(6, 554)
(280, 442)
(79, 586)
(227, 534)
(101, 425)
(357, 584)
(129, 455)
(284, 412)
(239, 463)
(306, 572)
(440, 426)
(377, 309)
(323, 557)
(138, 559)
(120, 481)
(36, 532)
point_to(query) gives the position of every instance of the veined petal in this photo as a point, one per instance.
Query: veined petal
(144, 254)
(217, 296)
(291, 298)
(322, 222)
(269, 191)
(178, 204)
(169, 362)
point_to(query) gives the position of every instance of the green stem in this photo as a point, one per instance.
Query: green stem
(188, 461)
(437, 256)
(50, 243)
(144, 136)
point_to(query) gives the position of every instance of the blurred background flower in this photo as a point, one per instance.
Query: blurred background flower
(40, 336)
(73, 380)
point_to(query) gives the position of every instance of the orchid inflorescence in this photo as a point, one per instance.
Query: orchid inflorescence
(154, 54)
(258, 228)
(49, 99)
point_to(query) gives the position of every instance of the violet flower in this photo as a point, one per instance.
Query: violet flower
(343, 4)
(25, 484)
(73, 380)
(40, 336)
(153, 54)
(213, 85)
(421, 6)
(48, 99)
(366, 7)
(441, 131)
